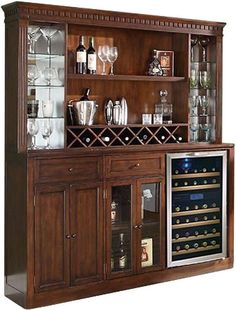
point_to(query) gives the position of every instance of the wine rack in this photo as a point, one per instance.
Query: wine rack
(131, 135)
(196, 207)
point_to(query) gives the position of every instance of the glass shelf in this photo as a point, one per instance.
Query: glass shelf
(44, 56)
(41, 117)
(45, 86)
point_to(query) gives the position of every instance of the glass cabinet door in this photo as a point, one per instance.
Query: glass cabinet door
(120, 215)
(150, 194)
(45, 91)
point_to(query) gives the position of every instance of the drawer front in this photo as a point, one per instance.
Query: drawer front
(68, 169)
(129, 165)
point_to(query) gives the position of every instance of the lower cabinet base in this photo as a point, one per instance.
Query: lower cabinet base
(108, 286)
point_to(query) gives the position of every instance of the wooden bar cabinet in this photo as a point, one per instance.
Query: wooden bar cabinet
(105, 207)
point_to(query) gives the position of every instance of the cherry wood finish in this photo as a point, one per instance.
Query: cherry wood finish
(57, 245)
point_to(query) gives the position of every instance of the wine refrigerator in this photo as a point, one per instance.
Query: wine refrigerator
(196, 207)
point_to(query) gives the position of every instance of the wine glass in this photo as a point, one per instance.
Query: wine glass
(32, 129)
(194, 127)
(48, 33)
(206, 127)
(194, 42)
(194, 105)
(205, 79)
(112, 56)
(103, 51)
(50, 74)
(204, 103)
(204, 42)
(33, 36)
(33, 74)
(193, 78)
(46, 131)
(61, 75)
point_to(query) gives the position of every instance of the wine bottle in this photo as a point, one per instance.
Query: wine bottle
(122, 253)
(81, 57)
(91, 57)
(85, 96)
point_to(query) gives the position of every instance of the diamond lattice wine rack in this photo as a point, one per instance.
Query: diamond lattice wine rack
(131, 135)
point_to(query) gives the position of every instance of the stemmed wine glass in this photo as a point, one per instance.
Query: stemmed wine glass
(32, 129)
(194, 105)
(206, 127)
(103, 51)
(48, 33)
(194, 42)
(205, 79)
(46, 131)
(204, 42)
(204, 103)
(112, 56)
(194, 127)
(50, 74)
(193, 78)
(33, 36)
(33, 74)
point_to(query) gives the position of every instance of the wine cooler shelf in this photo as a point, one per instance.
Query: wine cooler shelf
(106, 136)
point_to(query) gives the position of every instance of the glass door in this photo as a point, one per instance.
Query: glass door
(150, 251)
(45, 91)
(120, 239)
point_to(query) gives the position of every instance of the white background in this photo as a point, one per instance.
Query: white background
(212, 291)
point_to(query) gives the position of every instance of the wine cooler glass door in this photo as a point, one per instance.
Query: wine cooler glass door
(196, 207)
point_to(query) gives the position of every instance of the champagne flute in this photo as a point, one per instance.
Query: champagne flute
(103, 51)
(112, 56)
(32, 129)
(194, 42)
(46, 132)
(204, 103)
(33, 36)
(33, 74)
(204, 42)
(48, 33)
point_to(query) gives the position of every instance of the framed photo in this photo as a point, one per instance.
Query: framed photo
(166, 59)
(146, 254)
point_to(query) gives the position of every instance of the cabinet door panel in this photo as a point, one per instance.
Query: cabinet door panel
(86, 243)
(51, 245)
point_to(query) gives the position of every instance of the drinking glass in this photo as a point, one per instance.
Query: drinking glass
(33, 36)
(112, 56)
(194, 105)
(33, 74)
(47, 107)
(194, 127)
(205, 79)
(206, 127)
(103, 51)
(193, 78)
(61, 75)
(204, 103)
(194, 42)
(32, 129)
(204, 42)
(50, 74)
(46, 131)
(48, 33)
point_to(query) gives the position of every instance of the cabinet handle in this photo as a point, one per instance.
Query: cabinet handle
(140, 226)
(135, 226)
(67, 236)
(70, 169)
(73, 236)
(137, 165)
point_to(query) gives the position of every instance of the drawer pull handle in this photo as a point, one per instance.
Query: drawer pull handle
(70, 169)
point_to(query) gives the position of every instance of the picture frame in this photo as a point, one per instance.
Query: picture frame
(166, 59)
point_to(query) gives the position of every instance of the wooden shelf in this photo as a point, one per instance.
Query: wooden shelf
(124, 77)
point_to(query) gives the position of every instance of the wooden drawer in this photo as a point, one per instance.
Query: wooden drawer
(68, 169)
(129, 165)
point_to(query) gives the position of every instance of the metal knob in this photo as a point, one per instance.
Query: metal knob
(135, 226)
(70, 169)
(67, 236)
(140, 226)
(73, 236)
(137, 165)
